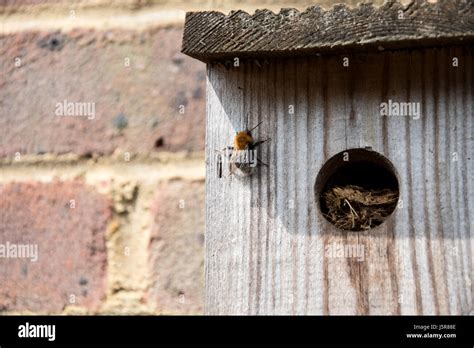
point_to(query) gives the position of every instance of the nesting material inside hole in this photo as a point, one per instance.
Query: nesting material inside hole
(357, 189)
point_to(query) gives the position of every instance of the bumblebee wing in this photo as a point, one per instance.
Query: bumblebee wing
(258, 143)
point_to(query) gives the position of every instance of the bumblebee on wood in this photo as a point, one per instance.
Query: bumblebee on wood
(242, 157)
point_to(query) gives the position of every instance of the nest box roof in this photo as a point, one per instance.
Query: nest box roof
(210, 36)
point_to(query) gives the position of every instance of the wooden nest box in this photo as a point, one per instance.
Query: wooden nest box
(366, 203)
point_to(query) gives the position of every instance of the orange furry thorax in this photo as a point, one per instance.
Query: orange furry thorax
(242, 140)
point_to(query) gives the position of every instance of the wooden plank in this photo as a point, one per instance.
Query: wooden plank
(212, 35)
(266, 239)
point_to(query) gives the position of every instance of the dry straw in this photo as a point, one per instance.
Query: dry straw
(355, 208)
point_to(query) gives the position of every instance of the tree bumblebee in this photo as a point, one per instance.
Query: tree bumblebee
(242, 157)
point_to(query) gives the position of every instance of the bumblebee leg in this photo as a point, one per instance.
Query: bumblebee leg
(262, 163)
(219, 166)
(228, 148)
(220, 153)
(231, 169)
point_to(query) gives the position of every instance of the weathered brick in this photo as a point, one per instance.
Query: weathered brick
(70, 241)
(194, 5)
(137, 107)
(176, 247)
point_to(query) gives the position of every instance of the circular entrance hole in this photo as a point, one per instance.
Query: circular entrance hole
(357, 189)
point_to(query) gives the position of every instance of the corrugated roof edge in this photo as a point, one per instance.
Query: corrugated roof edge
(210, 36)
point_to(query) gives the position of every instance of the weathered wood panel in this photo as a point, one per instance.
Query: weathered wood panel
(210, 36)
(265, 236)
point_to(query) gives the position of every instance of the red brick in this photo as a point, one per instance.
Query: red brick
(71, 246)
(176, 248)
(135, 106)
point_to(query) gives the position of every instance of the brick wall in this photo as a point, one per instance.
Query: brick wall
(101, 157)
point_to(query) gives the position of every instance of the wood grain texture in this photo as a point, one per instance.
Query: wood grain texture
(212, 35)
(266, 239)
